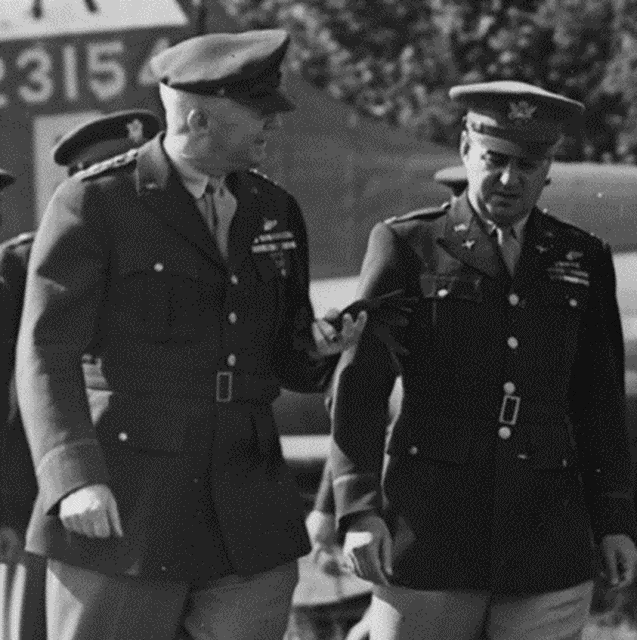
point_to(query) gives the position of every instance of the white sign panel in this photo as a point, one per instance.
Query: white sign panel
(47, 131)
(64, 17)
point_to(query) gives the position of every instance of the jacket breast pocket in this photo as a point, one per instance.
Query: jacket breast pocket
(160, 305)
(565, 298)
(268, 266)
(453, 287)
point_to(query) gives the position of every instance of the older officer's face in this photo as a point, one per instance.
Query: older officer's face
(238, 135)
(503, 188)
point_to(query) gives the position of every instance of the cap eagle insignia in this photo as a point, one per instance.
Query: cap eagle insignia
(135, 130)
(521, 110)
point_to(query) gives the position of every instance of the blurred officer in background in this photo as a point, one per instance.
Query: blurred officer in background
(22, 574)
(510, 455)
(164, 502)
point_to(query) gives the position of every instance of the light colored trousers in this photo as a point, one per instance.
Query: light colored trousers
(85, 605)
(405, 614)
(22, 597)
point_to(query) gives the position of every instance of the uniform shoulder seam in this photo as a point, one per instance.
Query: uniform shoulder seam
(573, 228)
(426, 213)
(18, 240)
(265, 178)
(116, 162)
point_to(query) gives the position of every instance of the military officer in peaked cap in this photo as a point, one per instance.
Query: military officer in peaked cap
(164, 504)
(105, 137)
(22, 574)
(509, 461)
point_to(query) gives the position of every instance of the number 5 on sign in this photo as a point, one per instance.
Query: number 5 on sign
(107, 76)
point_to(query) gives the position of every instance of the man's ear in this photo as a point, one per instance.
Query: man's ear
(465, 145)
(198, 121)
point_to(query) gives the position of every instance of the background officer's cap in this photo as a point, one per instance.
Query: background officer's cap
(245, 67)
(516, 118)
(105, 137)
(6, 179)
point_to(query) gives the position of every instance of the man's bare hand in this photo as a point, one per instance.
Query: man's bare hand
(329, 341)
(368, 549)
(91, 511)
(11, 544)
(321, 528)
(620, 558)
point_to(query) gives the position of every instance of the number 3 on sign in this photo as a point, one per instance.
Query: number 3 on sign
(40, 87)
(105, 74)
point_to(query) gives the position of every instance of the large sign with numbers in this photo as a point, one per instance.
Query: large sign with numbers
(62, 62)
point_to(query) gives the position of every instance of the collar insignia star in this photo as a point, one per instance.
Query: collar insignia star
(521, 110)
(468, 244)
(135, 130)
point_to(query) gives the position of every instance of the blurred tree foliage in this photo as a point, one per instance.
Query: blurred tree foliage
(395, 59)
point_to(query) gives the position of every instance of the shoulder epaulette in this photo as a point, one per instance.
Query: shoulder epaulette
(23, 238)
(116, 162)
(265, 178)
(428, 213)
(571, 228)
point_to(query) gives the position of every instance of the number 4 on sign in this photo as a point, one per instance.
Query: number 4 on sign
(145, 76)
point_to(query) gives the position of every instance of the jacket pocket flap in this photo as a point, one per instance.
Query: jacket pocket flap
(437, 441)
(146, 423)
(458, 287)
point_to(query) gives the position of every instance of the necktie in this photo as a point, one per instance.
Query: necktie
(207, 209)
(218, 206)
(509, 247)
(225, 207)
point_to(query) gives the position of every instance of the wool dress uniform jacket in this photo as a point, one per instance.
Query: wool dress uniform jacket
(18, 487)
(510, 456)
(173, 409)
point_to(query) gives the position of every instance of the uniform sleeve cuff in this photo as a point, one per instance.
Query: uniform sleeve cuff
(354, 494)
(69, 467)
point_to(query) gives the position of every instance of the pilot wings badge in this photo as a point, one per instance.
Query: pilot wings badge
(521, 110)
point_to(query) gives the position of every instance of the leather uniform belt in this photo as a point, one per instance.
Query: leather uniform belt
(222, 387)
(511, 410)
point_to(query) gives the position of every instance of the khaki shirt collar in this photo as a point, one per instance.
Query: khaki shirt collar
(194, 181)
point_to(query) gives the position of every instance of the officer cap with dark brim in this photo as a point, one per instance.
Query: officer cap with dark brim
(6, 179)
(244, 67)
(105, 137)
(516, 118)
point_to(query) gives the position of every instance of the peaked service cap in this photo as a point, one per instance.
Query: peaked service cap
(515, 117)
(245, 67)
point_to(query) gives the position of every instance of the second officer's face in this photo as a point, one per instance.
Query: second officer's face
(238, 135)
(503, 188)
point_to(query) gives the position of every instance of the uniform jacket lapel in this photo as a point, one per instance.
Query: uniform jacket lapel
(465, 240)
(164, 195)
(247, 218)
(537, 252)
(248, 224)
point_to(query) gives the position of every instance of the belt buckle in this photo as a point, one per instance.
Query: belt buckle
(224, 386)
(510, 409)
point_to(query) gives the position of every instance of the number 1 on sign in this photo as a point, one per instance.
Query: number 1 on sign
(69, 58)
